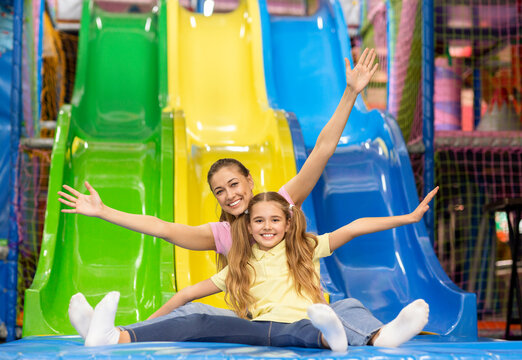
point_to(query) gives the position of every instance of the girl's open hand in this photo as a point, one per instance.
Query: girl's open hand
(423, 206)
(358, 77)
(89, 205)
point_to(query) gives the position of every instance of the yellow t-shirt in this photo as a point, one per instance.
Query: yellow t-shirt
(273, 288)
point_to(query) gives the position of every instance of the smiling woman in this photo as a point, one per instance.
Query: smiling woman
(231, 182)
(232, 185)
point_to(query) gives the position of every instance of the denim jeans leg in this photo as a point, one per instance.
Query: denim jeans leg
(204, 328)
(227, 329)
(187, 309)
(358, 322)
(301, 333)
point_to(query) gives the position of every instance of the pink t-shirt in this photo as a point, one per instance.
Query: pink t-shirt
(221, 230)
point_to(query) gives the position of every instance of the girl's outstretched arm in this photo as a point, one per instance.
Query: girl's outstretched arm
(185, 295)
(189, 237)
(364, 226)
(300, 186)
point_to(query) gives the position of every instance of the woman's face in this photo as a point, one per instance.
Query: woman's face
(232, 189)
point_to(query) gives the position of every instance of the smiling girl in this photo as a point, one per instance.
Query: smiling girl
(275, 283)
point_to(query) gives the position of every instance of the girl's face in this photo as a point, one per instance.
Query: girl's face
(232, 189)
(268, 224)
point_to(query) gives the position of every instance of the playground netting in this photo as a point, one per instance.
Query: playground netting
(477, 107)
(34, 176)
(471, 241)
(58, 62)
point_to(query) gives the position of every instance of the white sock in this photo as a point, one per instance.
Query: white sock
(410, 321)
(325, 319)
(80, 314)
(102, 330)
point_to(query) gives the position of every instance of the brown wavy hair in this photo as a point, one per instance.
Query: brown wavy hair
(300, 247)
(221, 260)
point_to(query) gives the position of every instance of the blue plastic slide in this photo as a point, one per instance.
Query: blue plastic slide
(369, 175)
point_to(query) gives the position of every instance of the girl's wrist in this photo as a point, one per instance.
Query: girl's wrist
(412, 218)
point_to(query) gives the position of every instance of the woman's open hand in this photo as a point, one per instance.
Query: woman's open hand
(358, 77)
(89, 205)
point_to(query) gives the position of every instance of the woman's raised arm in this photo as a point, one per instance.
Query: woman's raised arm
(300, 186)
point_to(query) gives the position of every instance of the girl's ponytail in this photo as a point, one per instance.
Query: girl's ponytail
(238, 281)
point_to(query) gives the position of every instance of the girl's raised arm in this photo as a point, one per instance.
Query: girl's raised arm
(185, 295)
(364, 226)
(189, 237)
(300, 186)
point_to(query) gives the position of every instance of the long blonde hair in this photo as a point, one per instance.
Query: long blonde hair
(300, 247)
(221, 260)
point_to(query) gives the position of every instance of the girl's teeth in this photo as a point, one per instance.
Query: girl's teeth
(234, 203)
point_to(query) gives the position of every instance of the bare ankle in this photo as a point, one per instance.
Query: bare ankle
(374, 337)
(324, 342)
(124, 337)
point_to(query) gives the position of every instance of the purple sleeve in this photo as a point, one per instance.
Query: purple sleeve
(284, 194)
(222, 236)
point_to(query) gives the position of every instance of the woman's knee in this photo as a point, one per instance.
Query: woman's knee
(349, 303)
(199, 308)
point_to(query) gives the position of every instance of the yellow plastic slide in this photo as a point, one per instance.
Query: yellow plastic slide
(218, 97)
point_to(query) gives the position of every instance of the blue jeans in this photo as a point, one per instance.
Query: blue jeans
(211, 328)
(358, 322)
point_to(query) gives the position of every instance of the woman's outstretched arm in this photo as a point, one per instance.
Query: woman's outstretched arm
(189, 237)
(300, 186)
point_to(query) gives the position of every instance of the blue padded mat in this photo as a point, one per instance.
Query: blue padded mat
(426, 347)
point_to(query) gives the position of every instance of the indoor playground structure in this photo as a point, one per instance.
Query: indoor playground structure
(162, 89)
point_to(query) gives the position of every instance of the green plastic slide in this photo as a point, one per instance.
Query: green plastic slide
(115, 136)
